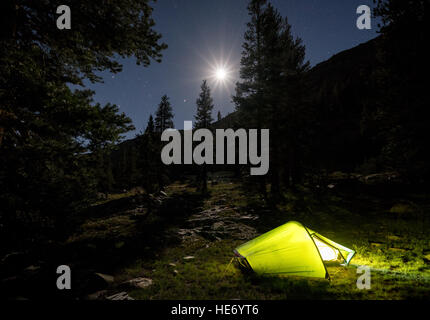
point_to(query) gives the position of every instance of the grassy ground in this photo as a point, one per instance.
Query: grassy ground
(388, 234)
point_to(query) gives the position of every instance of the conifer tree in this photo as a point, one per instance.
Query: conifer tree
(402, 113)
(249, 90)
(163, 121)
(203, 117)
(52, 135)
(203, 120)
(150, 160)
(164, 115)
(272, 61)
(150, 128)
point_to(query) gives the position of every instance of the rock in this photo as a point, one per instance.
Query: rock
(172, 264)
(379, 178)
(176, 272)
(249, 217)
(109, 279)
(141, 282)
(397, 249)
(188, 258)
(120, 296)
(32, 268)
(331, 186)
(218, 225)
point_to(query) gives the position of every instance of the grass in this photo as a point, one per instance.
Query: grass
(395, 247)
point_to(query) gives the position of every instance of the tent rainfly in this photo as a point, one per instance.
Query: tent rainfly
(292, 249)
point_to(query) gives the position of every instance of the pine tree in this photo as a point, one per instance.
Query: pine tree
(164, 115)
(163, 121)
(149, 159)
(272, 61)
(150, 128)
(51, 135)
(402, 113)
(249, 91)
(219, 117)
(203, 120)
(292, 116)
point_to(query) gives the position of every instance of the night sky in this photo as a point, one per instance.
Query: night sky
(203, 34)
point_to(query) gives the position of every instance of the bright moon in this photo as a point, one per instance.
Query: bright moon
(221, 74)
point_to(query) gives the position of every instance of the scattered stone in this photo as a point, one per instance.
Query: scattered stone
(397, 249)
(188, 258)
(120, 296)
(217, 225)
(141, 283)
(187, 234)
(176, 272)
(32, 268)
(249, 217)
(331, 186)
(172, 264)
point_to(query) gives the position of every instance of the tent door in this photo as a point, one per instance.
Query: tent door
(328, 252)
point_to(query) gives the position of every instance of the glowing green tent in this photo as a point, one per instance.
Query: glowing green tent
(292, 249)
